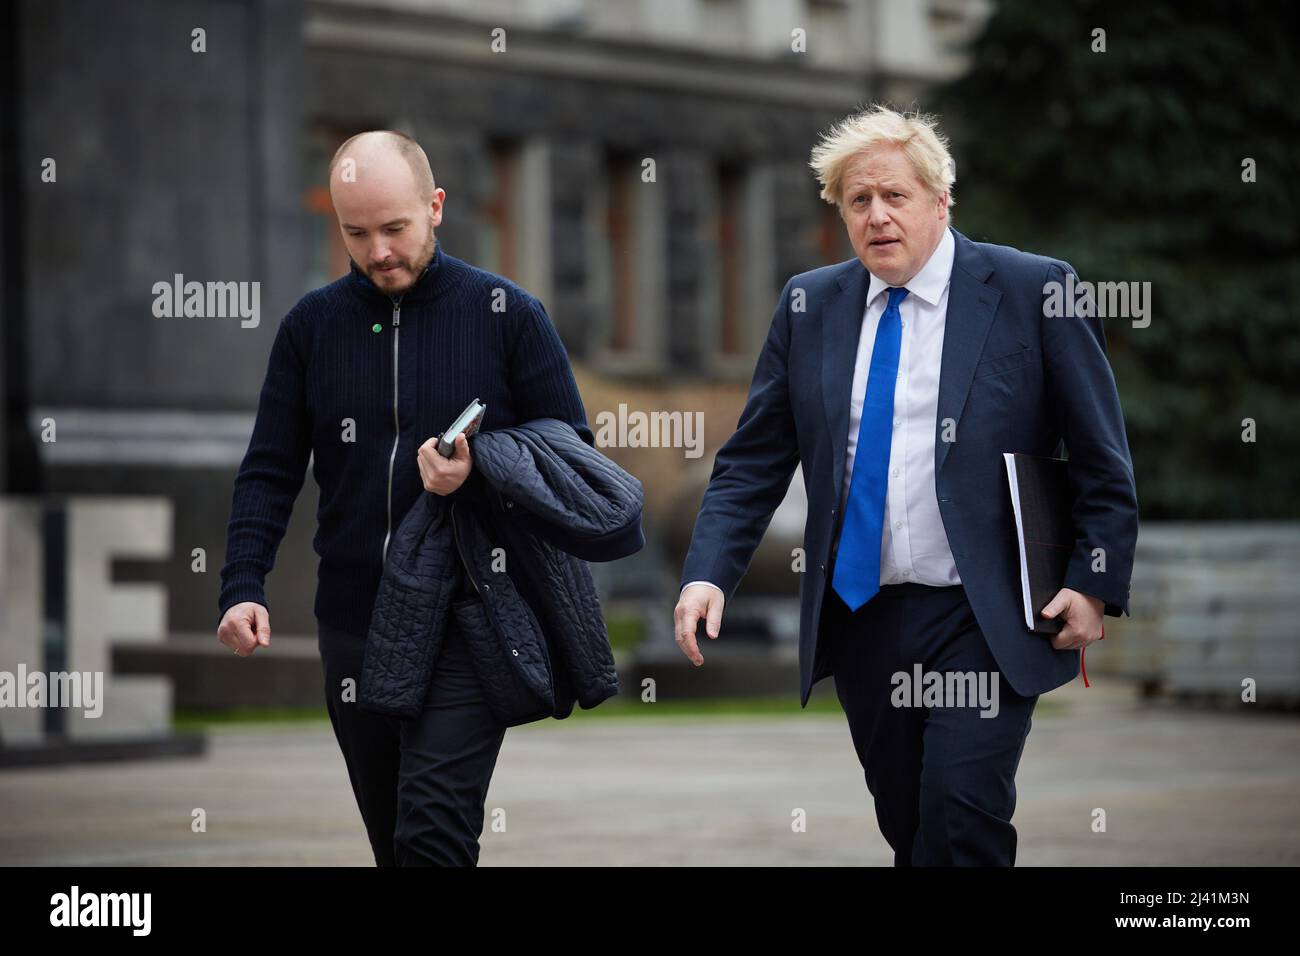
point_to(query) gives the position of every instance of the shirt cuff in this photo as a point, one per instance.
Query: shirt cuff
(709, 583)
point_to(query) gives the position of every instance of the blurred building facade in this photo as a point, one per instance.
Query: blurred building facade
(542, 119)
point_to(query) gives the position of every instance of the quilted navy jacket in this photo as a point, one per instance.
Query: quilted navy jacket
(543, 503)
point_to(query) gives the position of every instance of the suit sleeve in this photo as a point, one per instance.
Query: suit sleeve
(1086, 407)
(751, 472)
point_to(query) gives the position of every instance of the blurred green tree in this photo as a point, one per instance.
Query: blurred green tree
(1128, 164)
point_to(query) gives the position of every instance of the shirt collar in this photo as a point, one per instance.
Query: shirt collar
(929, 283)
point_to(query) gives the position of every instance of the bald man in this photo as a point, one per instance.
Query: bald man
(363, 375)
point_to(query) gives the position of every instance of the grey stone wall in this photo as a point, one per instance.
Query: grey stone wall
(168, 161)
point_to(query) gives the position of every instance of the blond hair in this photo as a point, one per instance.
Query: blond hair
(917, 134)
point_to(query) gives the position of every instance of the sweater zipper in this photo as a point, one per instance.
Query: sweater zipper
(397, 429)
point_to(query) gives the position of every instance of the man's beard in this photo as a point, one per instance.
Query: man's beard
(416, 269)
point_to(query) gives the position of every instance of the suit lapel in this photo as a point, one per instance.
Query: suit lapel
(971, 307)
(841, 329)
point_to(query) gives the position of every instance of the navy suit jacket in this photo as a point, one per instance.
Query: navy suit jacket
(1011, 379)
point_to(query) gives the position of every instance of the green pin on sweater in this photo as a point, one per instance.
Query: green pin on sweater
(376, 328)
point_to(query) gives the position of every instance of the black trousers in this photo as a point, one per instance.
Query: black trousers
(943, 777)
(420, 784)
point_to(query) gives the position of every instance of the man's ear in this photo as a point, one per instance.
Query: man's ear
(435, 206)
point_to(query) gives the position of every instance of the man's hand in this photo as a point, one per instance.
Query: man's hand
(1082, 619)
(697, 601)
(441, 475)
(245, 627)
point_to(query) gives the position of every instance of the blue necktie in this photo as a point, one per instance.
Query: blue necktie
(857, 562)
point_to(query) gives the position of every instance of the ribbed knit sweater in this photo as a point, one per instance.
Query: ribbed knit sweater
(332, 393)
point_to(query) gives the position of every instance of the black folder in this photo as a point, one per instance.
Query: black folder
(1042, 502)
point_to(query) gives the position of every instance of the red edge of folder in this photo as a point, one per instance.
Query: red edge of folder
(1084, 653)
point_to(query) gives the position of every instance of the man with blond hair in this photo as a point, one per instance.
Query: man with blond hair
(897, 380)
(364, 375)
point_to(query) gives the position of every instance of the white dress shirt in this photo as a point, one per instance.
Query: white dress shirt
(913, 543)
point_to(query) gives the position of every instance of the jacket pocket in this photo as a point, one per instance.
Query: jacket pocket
(1005, 363)
(516, 684)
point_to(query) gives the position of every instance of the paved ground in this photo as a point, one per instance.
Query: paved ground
(1179, 787)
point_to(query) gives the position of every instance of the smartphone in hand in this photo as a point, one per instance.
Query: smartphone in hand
(467, 422)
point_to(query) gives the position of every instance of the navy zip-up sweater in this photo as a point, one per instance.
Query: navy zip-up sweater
(332, 392)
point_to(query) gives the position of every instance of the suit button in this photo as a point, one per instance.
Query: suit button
(510, 504)
(487, 587)
(514, 652)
